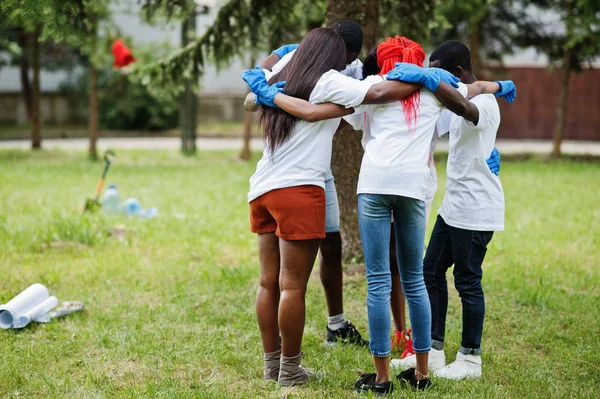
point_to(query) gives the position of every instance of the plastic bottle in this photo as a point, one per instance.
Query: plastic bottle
(110, 200)
(132, 207)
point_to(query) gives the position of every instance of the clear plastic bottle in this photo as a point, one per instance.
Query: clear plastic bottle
(111, 200)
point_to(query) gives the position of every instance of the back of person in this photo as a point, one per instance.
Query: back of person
(396, 159)
(474, 198)
(305, 157)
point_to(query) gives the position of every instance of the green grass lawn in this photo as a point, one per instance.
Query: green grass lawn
(170, 301)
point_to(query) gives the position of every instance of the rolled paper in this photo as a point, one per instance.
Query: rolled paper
(21, 304)
(38, 311)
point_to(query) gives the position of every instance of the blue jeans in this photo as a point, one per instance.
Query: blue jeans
(374, 212)
(466, 250)
(332, 210)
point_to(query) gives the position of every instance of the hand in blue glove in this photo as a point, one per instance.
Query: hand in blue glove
(257, 81)
(286, 48)
(429, 78)
(493, 161)
(508, 90)
(445, 76)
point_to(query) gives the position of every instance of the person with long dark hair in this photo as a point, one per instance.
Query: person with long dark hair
(393, 178)
(287, 200)
(339, 330)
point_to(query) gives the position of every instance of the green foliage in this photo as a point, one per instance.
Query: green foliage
(238, 26)
(578, 32)
(123, 104)
(407, 18)
(75, 22)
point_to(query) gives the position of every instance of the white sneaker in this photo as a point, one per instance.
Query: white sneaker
(465, 366)
(437, 360)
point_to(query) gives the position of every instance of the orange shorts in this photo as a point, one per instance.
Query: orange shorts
(293, 213)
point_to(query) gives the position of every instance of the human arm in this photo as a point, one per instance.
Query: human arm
(309, 112)
(501, 88)
(380, 93)
(455, 102)
(269, 62)
(389, 91)
(431, 77)
(297, 107)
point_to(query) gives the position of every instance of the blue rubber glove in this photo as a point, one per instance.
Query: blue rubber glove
(429, 78)
(508, 90)
(445, 76)
(286, 48)
(257, 81)
(493, 161)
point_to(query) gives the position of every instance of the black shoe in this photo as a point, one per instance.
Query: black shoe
(367, 383)
(416, 385)
(345, 335)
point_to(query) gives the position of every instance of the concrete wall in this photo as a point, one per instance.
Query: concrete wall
(56, 109)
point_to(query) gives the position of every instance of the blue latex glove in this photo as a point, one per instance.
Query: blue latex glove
(493, 161)
(286, 48)
(429, 78)
(445, 76)
(257, 81)
(508, 90)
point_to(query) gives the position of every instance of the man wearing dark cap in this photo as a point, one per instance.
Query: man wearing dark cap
(339, 330)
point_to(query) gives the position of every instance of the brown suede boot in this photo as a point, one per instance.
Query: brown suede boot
(272, 362)
(291, 372)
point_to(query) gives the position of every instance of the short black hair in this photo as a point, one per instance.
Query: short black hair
(370, 66)
(352, 34)
(452, 54)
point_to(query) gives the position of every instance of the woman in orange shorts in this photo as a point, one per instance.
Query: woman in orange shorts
(287, 198)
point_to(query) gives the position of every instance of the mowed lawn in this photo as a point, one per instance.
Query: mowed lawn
(170, 301)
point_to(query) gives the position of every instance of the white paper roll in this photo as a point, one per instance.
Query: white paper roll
(36, 312)
(21, 304)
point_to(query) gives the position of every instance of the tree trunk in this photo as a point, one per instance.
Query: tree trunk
(187, 105)
(26, 42)
(246, 153)
(474, 38)
(93, 123)
(561, 109)
(347, 150)
(36, 123)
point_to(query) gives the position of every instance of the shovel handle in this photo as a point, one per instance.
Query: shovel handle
(108, 157)
(99, 187)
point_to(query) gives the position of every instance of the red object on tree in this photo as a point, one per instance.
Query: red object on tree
(122, 54)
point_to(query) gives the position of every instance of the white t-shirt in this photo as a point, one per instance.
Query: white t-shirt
(305, 158)
(442, 127)
(396, 160)
(353, 70)
(474, 199)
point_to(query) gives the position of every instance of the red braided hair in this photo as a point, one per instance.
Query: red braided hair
(401, 49)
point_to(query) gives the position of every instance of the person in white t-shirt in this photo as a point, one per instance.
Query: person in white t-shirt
(339, 329)
(395, 170)
(472, 209)
(401, 338)
(287, 199)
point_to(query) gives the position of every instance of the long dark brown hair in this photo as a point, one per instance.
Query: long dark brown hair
(320, 51)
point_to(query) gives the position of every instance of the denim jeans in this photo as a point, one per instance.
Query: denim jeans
(374, 212)
(466, 250)
(332, 210)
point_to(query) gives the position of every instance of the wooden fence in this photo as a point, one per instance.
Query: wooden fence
(533, 114)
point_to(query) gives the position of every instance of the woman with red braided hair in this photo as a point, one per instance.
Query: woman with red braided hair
(393, 179)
